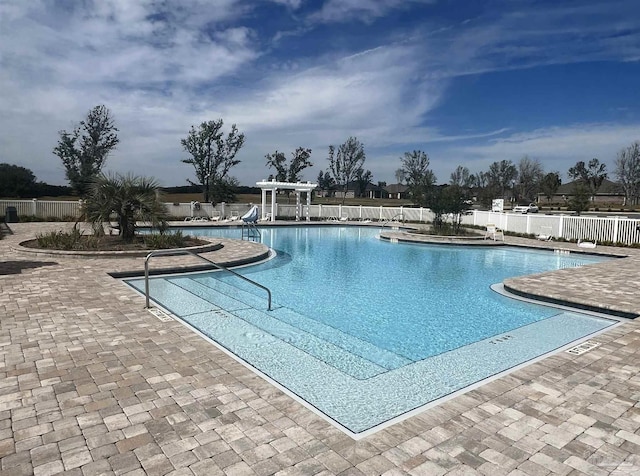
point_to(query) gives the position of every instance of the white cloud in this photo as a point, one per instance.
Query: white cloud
(162, 66)
(558, 148)
(359, 10)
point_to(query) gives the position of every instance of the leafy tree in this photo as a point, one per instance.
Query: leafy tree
(346, 162)
(363, 178)
(550, 184)
(325, 181)
(484, 192)
(16, 181)
(591, 175)
(448, 200)
(628, 172)
(84, 150)
(579, 201)
(501, 176)
(129, 198)
(212, 156)
(291, 173)
(420, 179)
(530, 174)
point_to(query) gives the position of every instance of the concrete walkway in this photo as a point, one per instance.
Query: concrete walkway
(91, 383)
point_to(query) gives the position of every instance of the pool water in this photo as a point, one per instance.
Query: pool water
(355, 316)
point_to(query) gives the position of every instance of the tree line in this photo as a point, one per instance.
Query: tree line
(212, 154)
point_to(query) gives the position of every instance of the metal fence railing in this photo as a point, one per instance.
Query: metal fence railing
(615, 229)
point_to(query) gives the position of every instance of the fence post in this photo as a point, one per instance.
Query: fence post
(528, 224)
(320, 211)
(615, 230)
(34, 207)
(380, 217)
(340, 211)
(561, 226)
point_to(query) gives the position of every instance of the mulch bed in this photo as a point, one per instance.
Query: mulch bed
(114, 243)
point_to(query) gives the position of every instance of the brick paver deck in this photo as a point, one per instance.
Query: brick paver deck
(91, 383)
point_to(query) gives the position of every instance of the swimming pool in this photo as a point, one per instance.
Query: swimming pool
(365, 330)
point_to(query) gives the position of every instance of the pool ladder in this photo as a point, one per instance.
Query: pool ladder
(187, 252)
(394, 219)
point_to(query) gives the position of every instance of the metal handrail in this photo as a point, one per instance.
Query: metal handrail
(187, 252)
(392, 219)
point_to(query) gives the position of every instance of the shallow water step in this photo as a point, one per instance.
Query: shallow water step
(382, 357)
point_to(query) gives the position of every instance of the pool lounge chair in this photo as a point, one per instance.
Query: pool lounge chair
(235, 216)
(493, 232)
(587, 244)
(545, 234)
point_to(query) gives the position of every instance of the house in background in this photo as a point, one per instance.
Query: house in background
(609, 193)
(397, 191)
(375, 191)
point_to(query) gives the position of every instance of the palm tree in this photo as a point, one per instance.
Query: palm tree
(129, 198)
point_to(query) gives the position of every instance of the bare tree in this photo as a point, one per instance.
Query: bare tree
(628, 173)
(420, 179)
(462, 177)
(400, 177)
(212, 156)
(530, 174)
(345, 163)
(84, 150)
(502, 175)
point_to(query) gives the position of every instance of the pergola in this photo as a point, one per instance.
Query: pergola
(274, 186)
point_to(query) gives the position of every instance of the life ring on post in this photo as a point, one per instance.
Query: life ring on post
(196, 206)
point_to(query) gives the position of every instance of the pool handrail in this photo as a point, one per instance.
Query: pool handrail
(192, 253)
(393, 219)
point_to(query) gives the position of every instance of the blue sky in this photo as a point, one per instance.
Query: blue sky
(468, 82)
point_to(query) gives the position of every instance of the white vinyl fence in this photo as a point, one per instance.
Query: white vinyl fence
(43, 208)
(602, 229)
(613, 229)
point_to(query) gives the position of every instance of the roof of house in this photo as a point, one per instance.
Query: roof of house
(396, 188)
(607, 188)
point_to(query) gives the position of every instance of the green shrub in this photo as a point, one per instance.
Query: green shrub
(60, 240)
(156, 241)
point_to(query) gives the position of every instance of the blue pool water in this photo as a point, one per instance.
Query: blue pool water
(355, 316)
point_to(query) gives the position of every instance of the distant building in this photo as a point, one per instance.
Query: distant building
(609, 192)
(397, 191)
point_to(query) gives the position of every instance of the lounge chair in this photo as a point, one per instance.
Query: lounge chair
(235, 216)
(587, 244)
(493, 232)
(545, 234)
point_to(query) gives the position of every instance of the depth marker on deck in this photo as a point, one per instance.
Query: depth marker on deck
(163, 316)
(586, 346)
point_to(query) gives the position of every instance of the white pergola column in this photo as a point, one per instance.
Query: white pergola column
(264, 203)
(273, 187)
(273, 204)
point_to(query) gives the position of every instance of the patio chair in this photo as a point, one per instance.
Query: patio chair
(235, 216)
(587, 244)
(545, 234)
(493, 232)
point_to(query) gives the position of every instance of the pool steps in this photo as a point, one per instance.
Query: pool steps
(190, 297)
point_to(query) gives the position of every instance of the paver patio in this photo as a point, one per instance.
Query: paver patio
(91, 383)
